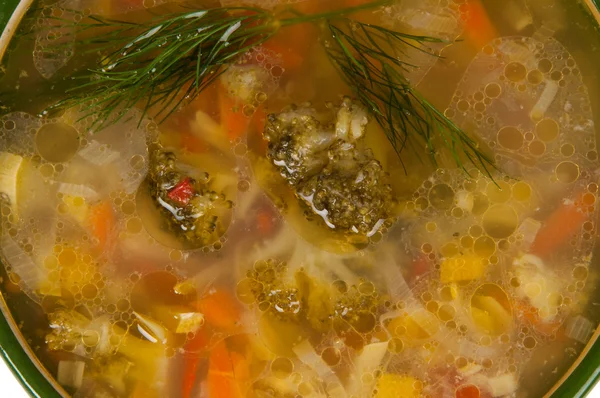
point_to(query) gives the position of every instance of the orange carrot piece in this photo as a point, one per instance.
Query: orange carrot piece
(102, 220)
(226, 373)
(191, 362)
(291, 59)
(233, 119)
(479, 29)
(467, 391)
(563, 223)
(220, 310)
(525, 310)
(264, 221)
(192, 143)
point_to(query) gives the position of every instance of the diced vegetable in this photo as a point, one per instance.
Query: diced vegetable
(420, 324)
(398, 386)
(546, 98)
(151, 329)
(489, 315)
(556, 230)
(30, 274)
(98, 154)
(183, 192)
(9, 170)
(220, 310)
(529, 229)
(580, 329)
(539, 285)
(479, 30)
(72, 330)
(502, 385)
(191, 362)
(234, 121)
(189, 322)
(367, 362)
(462, 268)
(102, 222)
(70, 373)
(307, 355)
(229, 367)
(467, 391)
(77, 208)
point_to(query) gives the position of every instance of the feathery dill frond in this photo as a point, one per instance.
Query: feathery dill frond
(373, 61)
(168, 61)
(162, 63)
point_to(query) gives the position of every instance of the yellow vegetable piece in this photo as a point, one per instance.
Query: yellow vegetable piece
(9, 169)
(419, 325)
(76, 207)
(462, 268)
(489, 315)
(398, 386)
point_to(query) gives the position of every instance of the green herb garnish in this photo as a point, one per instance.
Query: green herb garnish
(371, 60)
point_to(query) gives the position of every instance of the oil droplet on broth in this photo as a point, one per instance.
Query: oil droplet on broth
(535, 77)
(499, 192)
(537, 148)
(510, 138)
(529, 342)
(493, 90)
(484, 246)
(545, 65)
(282, 367)
(515, 71)
(521, 191)
(57, 142)
(547, 130)
(331, 356)
(441, 197)
(580, 273)
(500, 221)
(567, 172)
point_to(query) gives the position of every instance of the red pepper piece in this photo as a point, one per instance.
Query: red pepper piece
(182, 193)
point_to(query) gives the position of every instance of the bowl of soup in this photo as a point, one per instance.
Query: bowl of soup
(300, 198)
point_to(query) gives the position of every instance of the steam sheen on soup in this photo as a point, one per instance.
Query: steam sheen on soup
(266, 240)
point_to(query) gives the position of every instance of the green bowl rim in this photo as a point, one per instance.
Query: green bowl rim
(36, 381)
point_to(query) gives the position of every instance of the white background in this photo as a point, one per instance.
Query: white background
(10, 387)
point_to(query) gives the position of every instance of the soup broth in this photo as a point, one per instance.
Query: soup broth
(265, 239)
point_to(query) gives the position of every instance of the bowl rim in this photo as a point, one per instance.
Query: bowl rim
(577, 382)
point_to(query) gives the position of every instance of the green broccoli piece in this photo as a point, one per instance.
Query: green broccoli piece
(115, 352)
(306, 300)
(184, 198)
(329, 167)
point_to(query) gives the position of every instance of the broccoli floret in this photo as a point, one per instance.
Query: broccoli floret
(185, 200)
(329, 167)
(311, 301)
(298, 141)
(351, 191)
(114, 351)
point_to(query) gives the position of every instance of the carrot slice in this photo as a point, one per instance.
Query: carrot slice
(479, 29)
(102, 220)
(467, 391)
(191, 362)
(221, 310)
(233, 119)
(290, 58)
(227, 371)
(563, 223)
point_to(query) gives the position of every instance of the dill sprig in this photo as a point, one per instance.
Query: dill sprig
(167, 61)
(373, 61)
